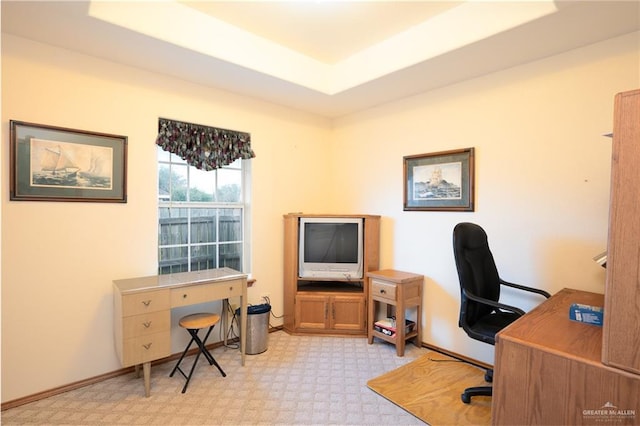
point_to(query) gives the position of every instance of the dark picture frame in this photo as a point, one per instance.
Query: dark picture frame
(440, 181)
(51, 163)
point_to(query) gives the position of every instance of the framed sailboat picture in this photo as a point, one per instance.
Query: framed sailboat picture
(58, 164)
(440, 181)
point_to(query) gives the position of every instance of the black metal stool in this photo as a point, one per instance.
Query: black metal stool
(194, 323)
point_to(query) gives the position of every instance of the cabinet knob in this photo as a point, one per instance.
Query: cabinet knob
(147, 346)
(147, 324)
(382, 291)
(184, 296)
(146, 302)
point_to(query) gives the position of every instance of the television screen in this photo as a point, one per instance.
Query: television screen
(331, 242)
(331, 248)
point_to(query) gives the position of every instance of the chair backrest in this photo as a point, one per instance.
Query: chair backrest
(477, 271)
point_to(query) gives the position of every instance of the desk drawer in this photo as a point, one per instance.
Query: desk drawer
(145, 302)
(146, 348)
(383, 290)
(145, 324)
(189, 295)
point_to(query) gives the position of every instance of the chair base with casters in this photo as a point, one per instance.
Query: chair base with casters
(193, 324)
(478, 390)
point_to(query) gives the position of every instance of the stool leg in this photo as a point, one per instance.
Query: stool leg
(177, 367)
(201, 345)
(219, 368)
(193, 367)
(205, 351)
(202, 349)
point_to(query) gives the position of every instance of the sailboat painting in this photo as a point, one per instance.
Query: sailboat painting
(70, 165)
(49, 163)
(440, 181)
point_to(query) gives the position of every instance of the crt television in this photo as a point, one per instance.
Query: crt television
(330, 248)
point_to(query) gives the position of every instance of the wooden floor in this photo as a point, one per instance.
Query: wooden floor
(430, 388)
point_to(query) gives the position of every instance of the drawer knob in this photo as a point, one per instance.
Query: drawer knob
(147, 324)
(184, 296)
(231, 288)
(147, 346)
(146, 302)
(383, 291)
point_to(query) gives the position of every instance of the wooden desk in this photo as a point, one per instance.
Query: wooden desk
(142, 311)
(548, 370)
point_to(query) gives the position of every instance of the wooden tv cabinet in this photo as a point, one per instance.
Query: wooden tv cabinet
(327, 306)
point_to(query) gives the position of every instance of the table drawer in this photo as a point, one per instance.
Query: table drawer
(138, 350)
(189, 295)
(383, 290)
(144, 302)
(145, 324)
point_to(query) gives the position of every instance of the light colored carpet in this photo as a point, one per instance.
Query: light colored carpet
(298, 380)
(430, 388)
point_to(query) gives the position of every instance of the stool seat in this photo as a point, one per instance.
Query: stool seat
(198, 321)
(193, 323)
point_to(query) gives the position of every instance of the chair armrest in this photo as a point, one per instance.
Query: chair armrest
(496, 305)
(525, 288)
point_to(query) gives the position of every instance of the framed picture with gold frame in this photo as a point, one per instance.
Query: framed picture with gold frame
(440, 181)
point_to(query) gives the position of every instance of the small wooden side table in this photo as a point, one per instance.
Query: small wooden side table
(399, 291)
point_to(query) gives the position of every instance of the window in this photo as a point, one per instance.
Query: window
(202, 216)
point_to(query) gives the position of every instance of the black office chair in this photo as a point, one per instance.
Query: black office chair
(481, 313)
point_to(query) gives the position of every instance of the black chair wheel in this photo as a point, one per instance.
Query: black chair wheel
(465, 398)
(488, 377)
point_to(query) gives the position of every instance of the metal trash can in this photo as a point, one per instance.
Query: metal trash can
(257, 328)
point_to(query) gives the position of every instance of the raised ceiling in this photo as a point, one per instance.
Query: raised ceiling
(330, 58)
(326, 31)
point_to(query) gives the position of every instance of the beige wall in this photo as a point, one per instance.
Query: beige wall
(542, 175)
(59, 259)
(542, 190)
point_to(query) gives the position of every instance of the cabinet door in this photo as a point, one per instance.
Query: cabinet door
(312, 312)
(347, 313)
(621, 332)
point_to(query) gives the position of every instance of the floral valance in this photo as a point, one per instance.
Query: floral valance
(206, 148)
